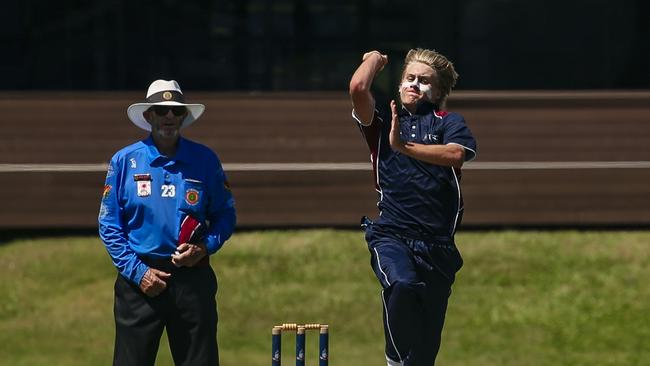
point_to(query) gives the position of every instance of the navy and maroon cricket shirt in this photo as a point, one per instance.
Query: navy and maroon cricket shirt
(417, 199)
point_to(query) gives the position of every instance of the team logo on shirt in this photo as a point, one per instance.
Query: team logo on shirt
(143, 184)
(431, 139)
(133, 164)
(192, 197)
(144, 188)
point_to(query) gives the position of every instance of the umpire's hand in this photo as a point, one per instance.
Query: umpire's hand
(187, 254)
(154, 282)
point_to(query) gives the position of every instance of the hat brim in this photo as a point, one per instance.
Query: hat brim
(135, 113)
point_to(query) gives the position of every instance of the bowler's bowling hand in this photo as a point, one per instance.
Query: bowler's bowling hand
(154, 282)
(383, 59)
(187, 254)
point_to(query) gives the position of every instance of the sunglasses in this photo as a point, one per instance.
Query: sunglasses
(162, 110)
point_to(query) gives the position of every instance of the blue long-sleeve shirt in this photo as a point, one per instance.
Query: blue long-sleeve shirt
(146, 195)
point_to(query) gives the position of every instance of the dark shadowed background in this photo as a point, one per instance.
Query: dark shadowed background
(282, 45)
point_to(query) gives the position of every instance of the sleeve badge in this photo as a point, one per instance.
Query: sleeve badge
(192, 197)
(107, 191)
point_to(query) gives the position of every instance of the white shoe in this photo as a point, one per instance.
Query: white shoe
(392, 363)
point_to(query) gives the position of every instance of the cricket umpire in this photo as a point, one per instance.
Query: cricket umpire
(417, 150)
(166, 208)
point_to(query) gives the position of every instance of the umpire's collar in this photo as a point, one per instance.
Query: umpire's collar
(422, 108)
(182, 152)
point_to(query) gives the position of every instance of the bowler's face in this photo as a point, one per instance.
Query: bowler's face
(418, 82)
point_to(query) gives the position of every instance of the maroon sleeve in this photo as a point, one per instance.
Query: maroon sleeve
(372, 135)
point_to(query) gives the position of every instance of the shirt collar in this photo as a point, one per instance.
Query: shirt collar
(182, 152)
(423, 107)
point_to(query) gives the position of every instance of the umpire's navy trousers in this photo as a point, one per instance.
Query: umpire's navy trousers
(416, 277)
(187, 308)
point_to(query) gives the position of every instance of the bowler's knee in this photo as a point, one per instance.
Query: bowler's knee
(401, 288)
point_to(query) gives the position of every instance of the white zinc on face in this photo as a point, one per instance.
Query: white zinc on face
(418, 82)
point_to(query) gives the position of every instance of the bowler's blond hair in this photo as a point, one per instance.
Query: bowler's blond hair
(446, 75)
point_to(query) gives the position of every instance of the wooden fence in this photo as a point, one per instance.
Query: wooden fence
(297, 159)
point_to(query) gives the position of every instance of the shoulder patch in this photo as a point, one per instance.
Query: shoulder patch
(192, 196)
(107, 191)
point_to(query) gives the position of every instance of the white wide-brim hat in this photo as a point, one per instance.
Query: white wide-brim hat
(163, 92)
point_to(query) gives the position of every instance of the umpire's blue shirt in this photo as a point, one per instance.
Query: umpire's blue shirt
(146, 196)
(416, 198)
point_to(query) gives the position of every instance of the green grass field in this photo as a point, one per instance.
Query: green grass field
(522, 298)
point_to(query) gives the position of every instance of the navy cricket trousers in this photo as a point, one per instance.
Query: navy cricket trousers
(187, 309)
(416, 278)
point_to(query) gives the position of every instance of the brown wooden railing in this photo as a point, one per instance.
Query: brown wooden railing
(297, 159)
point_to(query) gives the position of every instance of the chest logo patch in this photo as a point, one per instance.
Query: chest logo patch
(143, 184)
(192, 197)
(144, 188)
(431, 138)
